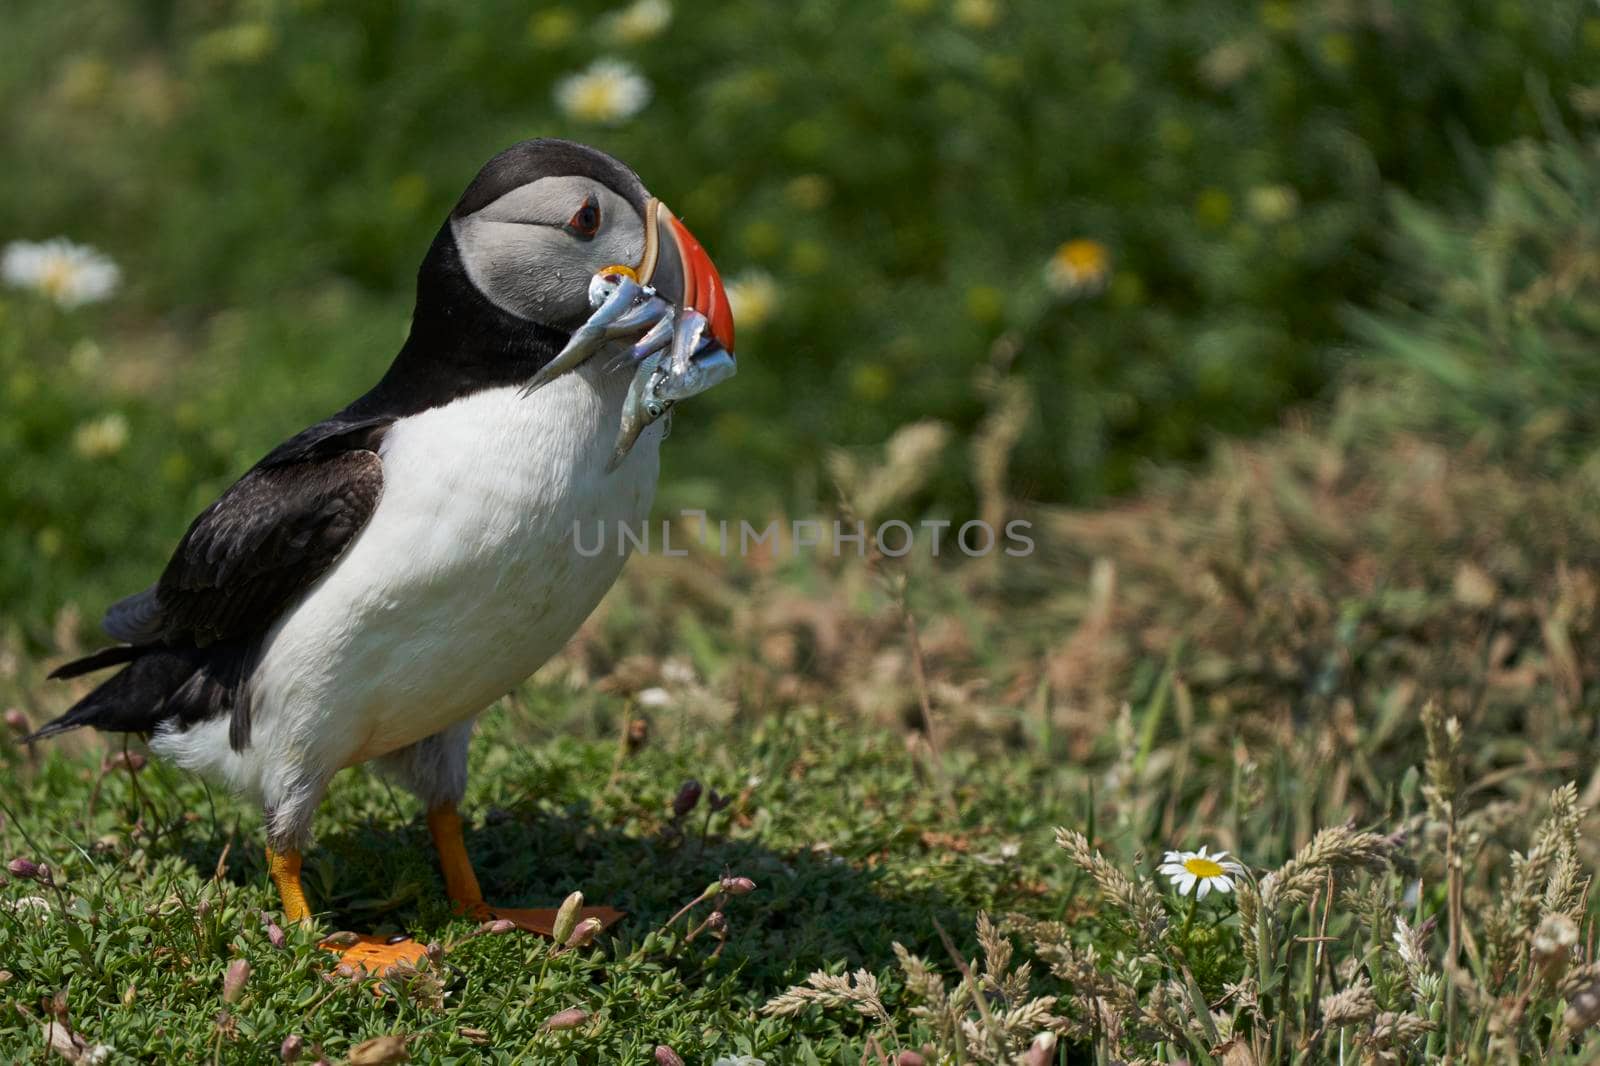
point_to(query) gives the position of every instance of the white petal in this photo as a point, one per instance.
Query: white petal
(1205, 886)
(1185, 884)
(655, 697)
(1223, 884)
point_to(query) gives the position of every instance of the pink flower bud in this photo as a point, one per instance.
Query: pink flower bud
(737, 886)
(233, 980)
(23, 869)
(570, 1018)
(909, 1058)
(499, 925)
(16, 720)
(584, 933)
(275, 935)
(290, 1049)
(665, 1056)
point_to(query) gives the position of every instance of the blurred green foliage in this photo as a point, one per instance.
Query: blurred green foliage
(1497, 318)
(269, 173)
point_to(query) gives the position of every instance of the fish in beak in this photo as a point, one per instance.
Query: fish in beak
(673, 297)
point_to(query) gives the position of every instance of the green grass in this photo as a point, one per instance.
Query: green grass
(829, 822)
(1265, 658)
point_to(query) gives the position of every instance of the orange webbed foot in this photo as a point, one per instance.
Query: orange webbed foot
(375, 955)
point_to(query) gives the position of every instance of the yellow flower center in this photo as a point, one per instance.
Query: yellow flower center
(1202, 867)
(596, 99)
(1082, 258)
(56, 277)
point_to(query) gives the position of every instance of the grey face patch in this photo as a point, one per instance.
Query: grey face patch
(517, 252)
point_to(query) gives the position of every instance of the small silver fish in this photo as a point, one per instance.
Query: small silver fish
(623, 308)
(642, 408)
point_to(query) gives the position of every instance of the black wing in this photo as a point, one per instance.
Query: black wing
(272, 534)
(192, 636)
(264, 542)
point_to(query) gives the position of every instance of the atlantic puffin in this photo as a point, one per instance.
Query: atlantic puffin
(381, 577)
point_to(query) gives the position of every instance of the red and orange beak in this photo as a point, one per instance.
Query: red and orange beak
(681, 271)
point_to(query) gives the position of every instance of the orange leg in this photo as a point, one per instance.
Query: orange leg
(284, 866)
(373, 954)
(461, 883)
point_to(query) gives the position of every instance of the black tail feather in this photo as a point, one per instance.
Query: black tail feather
(112, 656)
(160, 684)
(65, 724)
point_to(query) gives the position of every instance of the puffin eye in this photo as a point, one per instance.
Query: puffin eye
(585, 222)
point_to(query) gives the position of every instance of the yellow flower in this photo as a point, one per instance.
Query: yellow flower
(754, 297)
(1197, 872)
(1078, 266)
(608, 92)
(640, 21)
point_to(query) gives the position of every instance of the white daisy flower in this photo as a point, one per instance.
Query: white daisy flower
(753, 295)
(609, 92)
(101, 437)
(640, 21)
(1197, 872)
(70, 274)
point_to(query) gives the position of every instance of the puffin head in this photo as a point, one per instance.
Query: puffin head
(544, 216)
